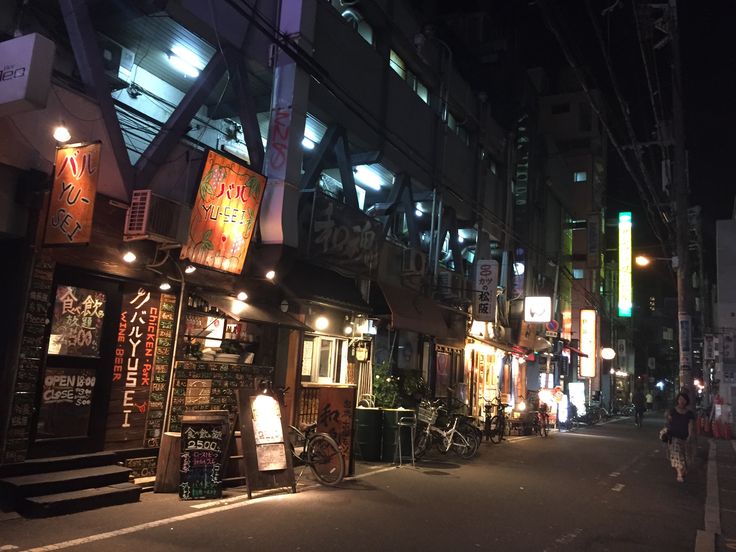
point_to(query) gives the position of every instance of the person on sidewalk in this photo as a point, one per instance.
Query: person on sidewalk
(650, 401)
(681, 424)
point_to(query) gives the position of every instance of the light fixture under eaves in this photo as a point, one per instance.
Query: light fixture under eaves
(62, 134)
(164, 286)
(367, 177)
(185, 61)
(307, 143)
(190, 268)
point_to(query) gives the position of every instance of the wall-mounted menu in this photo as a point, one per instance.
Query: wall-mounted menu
(204, 438)
(211, 385)
(76, 325)
(66, 403)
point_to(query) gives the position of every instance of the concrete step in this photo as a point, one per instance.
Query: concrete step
(58, 463)
(79, 500)
(12, 489)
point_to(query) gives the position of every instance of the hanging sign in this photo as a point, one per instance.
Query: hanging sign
(588, 330)
(538, 309)
(72, 201)
(224, 214)
(484, 290)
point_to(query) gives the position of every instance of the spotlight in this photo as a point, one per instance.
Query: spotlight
(242, 296)
(164, 286)
(348, 330)
(61, 134)
(190, 268)
(321, 323)
(129, 257)
(270, 275)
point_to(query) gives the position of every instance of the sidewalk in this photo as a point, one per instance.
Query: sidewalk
(720, 504)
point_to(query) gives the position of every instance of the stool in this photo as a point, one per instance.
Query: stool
(409, 421)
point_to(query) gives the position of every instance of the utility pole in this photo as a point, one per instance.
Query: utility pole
(680, 190)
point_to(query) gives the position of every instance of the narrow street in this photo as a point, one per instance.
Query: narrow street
(604, 488)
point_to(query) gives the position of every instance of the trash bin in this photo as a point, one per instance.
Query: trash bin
(368, 423)
(390, 433)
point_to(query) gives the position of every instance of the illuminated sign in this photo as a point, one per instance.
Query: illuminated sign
(224, 214)
(72, 201)
(588, 329)
(484, 293)
(625, 293)
(538, 309)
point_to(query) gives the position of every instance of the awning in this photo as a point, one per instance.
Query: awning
(309, 282)
(514, 349)
(414, 312)
(258, 314)
(574, 350)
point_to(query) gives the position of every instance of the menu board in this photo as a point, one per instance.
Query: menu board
(66, 403)
(160, 377)
(30, 361)
(211, 385)
(76, 325)
(268, 433)
(203, 440)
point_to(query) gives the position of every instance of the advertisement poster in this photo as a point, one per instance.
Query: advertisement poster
(224, 214)
(72, 201)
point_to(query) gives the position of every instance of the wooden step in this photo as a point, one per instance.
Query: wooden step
(79, 500)
(58, 463)
(14, 488)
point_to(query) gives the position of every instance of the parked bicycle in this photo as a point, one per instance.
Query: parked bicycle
(541, 422)
(495, 426)
(319, 451)
(462, 441)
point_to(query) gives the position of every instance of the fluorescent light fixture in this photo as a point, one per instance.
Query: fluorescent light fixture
(242, 296)
(129, 257)
(460, 239)
(308, 144)
(185, 61)
(190, 268)
(61, 134)
(367, 177)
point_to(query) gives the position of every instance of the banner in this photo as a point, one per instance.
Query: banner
(224, 214)
(484, 290)
(588, 340)
(73, 192)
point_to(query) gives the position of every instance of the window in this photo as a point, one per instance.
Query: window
(559, 109)
(580, 176)
(397, 64)
(324, 359)
(451, 123)
(578, 273)
(422, 92)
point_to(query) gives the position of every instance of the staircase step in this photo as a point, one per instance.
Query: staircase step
(58, 463)
(14, 488)
(79, 500)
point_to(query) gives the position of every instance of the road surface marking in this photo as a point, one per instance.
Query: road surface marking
(614, 474)
(618, 487)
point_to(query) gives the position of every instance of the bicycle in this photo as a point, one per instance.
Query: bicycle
(495, 428)
(319, 451)
(541, 423)
(463, 441)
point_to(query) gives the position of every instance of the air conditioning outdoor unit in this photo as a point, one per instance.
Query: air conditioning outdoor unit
(155, 218)
(451, 285)
(413, 262)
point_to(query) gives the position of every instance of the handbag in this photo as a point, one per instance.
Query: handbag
(664, 435)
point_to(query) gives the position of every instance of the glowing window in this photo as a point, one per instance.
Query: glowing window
(397, 64)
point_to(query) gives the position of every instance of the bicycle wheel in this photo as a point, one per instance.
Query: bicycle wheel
(465, 443)
(420, 444)
(497, 429)
(325, 460)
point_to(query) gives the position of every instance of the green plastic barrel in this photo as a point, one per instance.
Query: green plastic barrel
(368, 434)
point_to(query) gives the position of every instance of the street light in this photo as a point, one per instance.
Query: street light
(645, 260)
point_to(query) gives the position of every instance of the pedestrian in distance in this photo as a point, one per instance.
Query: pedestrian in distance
(650, 400)
(681, 425)
(640, 406)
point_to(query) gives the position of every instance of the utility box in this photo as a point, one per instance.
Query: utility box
(25, 73)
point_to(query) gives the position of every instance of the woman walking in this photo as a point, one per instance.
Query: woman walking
(681, 424)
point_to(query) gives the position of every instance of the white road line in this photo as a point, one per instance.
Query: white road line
(614, 474)
(618, 487)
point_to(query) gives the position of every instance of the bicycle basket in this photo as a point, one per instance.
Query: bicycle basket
(427, 414)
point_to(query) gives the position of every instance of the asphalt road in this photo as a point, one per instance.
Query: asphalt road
(605, 488)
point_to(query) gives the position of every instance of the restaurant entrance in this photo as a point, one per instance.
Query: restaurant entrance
(79, 350)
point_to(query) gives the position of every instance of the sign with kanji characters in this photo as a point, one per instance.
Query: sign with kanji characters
(224, 214)
(76, 325)
(133, 368)
(72, 201)
(588, 340)
(484, 290)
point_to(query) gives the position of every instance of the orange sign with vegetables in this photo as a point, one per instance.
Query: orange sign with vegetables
(224, 214)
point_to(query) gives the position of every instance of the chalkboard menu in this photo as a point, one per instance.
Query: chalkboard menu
(30, 361)
(76, 326)
(160, 377)
(66, 403)
(204, 440)
(211, 385)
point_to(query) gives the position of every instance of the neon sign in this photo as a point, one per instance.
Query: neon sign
(625, 291)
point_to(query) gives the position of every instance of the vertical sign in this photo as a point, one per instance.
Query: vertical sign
(484, 296)
(709, 349)
(625, 293)
(73, 192)
(132, 369)
(729, 353)
(686, 334)
(224, 214)
(588, 329)
(623, 362)
(594, 240)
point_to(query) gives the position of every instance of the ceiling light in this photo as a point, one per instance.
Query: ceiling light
(418, 213)
(307, 143)
(348, 330)
(460, 239)
(242, 296)
(190, 268)
(321, 323)
(367, 177)
(61, 134)
(185, 61)
(129, 257)
(164, 286)
(270, 275)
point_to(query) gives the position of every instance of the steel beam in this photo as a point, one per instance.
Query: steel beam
(176, 126)
(346, 170)
(314, 168)
(83, 40)
(247, 110)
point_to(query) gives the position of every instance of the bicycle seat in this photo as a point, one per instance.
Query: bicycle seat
(306, 428)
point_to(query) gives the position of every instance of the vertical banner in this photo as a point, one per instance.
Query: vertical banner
(133, 369)
(224, 214)
(588, 331)
(72, 201)
(709, 349)
(727, 346)
(625, 291)
(685, 326)
(484, 290)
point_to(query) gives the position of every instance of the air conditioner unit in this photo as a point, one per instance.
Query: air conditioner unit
(413, 262)
(117, 61)
(155, 218)
(451, 285)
